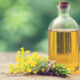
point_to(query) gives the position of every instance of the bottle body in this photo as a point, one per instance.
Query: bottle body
(64, 49)
(63, 37)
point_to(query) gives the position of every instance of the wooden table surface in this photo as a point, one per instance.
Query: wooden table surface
(7, 58)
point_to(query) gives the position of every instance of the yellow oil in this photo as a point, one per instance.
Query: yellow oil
(64, 48)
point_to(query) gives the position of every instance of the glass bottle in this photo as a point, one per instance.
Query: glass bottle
(63, 35)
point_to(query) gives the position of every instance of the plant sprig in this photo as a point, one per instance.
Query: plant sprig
(36, 64)
(61, 70)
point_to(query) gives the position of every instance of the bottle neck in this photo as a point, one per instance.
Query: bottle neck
(63, 12)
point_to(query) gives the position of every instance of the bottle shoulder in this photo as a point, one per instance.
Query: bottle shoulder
(60, 23)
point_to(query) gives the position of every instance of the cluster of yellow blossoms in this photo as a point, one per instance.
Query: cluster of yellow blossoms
(26, 61)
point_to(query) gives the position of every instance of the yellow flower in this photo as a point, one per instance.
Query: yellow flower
(23, 52)
(16, 65)
(34, 54)
(10, 66)
(30, 61)
(22, 48)
(44, 59)
(28, 56)
(52, 66)
(22, 65)
(23, 69)
(27, 51)
(35, 72)
(22, 60)
(17, 59)
(18, 52)
(15, 72)
(40, 56)
(33, 64)
(10, 71)
(43, 69)
(29, 69)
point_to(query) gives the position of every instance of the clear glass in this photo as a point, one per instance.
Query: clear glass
(63, 34)
(64, 21)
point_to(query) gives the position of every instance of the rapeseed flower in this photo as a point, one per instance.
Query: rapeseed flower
(43, 69)
(18, 52)
(35, 72)
(40, 56)
(29, 69)
(52, 66)
(17, 59)
(33, 64)
(22, 59)
(27, 51)
(22, 48)
(10, 71)
(10, 66)
(26, 62)
(34, 54)
(44, 59)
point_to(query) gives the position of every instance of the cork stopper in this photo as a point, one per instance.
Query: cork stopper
(63, 5)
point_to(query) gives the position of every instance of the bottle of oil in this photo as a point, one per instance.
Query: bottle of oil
(63, 34)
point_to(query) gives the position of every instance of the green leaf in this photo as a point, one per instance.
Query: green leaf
(61, 70)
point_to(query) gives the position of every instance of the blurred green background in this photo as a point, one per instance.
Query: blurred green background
(25, 23)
